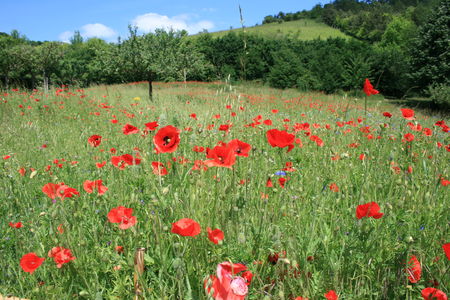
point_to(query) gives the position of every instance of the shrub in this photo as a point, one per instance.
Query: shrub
(440, 95)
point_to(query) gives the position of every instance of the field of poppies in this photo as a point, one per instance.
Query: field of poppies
(235, 192)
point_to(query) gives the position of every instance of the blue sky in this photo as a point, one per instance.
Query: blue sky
(56, 20)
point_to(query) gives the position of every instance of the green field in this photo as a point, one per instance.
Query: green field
(306, 29)
(288, 217)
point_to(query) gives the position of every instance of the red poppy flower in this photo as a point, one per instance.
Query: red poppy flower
(368, 210)
(275, 256)
(198, 149)
(334, 187)
(65, 191)
(331, 295)
(368, 88)
(50, 190)
(414, 269)
(30, 262)
(125, 160)
(427, 132)
(226, 285)
(240, 148)
(225, 127)
(15, 225)
(288, 167)
(215, 235)
(95, 140)
(166, 140)
(100, 165)
(446, 248)
(415, 127)
(433, 294)
(158, 168)
(269, 183)
(61, 190)
(122, 216)
(186, 227)
(61, 256)
(60, 229)
(22, 171)
(317, 139)
(90, 186)
(199, 165)
(268, 122)
(409, 137)
(248, 276)
(129, 129)
(387, 114)
(278, 138)
(151, 126)
(407, 113)
(222, 156)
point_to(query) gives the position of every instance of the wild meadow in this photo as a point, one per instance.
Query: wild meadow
(235, 192)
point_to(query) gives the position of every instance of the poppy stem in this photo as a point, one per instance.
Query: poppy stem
(365, 105)
(138, 271)
(446, 271)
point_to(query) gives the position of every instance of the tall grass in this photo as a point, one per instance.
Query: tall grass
(321, 244)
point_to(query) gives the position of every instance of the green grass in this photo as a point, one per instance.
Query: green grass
(306, 29)
(327, 247)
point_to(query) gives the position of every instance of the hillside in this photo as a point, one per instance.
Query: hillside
(305, 29)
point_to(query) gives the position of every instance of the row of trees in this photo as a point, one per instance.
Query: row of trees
(397, 64)
(163, 55)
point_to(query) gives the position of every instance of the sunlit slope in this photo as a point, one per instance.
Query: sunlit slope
(306, 29)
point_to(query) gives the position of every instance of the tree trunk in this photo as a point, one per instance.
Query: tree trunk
(45, 83)
(184, 77)
(150, 87)
(6, 82)
(33, 82)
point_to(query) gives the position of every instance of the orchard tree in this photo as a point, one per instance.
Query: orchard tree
(154, 56)
(8, 57)
(25, 65)
(49, 56)
(192, 63)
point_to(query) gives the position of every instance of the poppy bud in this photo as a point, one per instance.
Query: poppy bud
(273, 258)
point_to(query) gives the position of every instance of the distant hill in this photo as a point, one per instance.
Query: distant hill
(366, 20)
(305, 29)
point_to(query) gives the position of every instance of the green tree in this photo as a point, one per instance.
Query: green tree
(49, 55)
(151, 56)
(25, 71)
(399, 34)
(76, 38)
(286, 69)
(8, 57)
(430, 54)
(191, 63)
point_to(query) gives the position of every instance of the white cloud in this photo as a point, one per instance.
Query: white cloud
(89, 31)
(151, 21)
(97, 30)
(65, 36)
